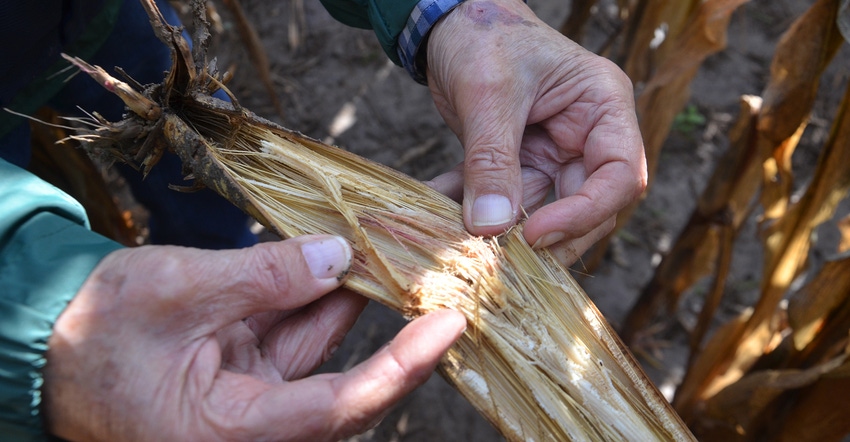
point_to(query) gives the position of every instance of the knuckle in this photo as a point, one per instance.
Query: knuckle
(266, 270)
(492, 79)
(347, 420)
(638, 184)
(488, 157)
(167, 265)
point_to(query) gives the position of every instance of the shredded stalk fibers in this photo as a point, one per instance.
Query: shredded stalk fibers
(537, 359)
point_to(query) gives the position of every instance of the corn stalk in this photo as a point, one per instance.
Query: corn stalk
(538, 359)
(695, 31)
(788, 230)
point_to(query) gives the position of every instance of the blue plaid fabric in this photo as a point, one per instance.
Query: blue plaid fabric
(422, 18)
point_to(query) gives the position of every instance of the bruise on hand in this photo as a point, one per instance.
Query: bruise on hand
(487, 14)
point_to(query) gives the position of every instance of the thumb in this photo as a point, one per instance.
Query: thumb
(217, 288)
(485, 92)
(492, 133)
(275, 276)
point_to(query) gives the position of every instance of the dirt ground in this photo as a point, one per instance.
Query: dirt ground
(336, 84)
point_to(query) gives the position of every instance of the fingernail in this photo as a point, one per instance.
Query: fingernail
(548, 239)
(327, 257)
(491, 210)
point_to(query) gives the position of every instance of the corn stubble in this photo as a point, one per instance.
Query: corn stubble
(537, 359)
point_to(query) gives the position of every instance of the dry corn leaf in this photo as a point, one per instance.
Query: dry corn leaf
(743, 409)
(71, 170)
(819, 413)
(723, 205)
(667, 91)
(704, 379)
(802, 54)
(787, 243)
(664, 95)
(809, 308)
(823, 333)
(844, 229)
(650, 18)
(683, 400)
(712, 300)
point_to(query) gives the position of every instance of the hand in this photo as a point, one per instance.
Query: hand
(534, 111)
(168, 343)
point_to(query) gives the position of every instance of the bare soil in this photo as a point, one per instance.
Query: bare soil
(332, 74)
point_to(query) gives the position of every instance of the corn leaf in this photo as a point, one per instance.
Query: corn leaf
(802, 54)
(746, 409)
(787, 241)
(809, 308)
(691, 39)
(719, 212)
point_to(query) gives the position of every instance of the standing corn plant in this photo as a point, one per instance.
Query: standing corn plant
(662, 74)
(537, 359)
(774, 372)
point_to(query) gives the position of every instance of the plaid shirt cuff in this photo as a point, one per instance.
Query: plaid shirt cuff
(424, 16)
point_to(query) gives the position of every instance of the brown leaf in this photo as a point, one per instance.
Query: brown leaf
(69, 168)
(787, 242)
(809, 308)
(712, 300)
(844, 228)
(704, 370)
(820, 414)
(693, 35)
(801, 56)
(649, 16)
(668, 90)
(723, 204)
(740, 409)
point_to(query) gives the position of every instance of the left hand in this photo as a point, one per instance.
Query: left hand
(178, 344)
(534, 111)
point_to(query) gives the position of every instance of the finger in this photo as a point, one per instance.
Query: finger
(567, 252)
(305, 340)
(615, 168)
(347, 404)
(450, 183)
(217, 288)
(536, 186)
(276, 276)
(599, 199)
(492, 177)
(261, 323)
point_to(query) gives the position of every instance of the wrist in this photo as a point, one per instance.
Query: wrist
(412, 41)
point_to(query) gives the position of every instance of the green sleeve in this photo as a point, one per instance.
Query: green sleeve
(386, 17)
(46, 253)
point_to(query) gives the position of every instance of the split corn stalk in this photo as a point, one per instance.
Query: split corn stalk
(538, 360)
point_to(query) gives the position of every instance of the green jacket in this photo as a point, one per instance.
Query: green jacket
(47, 251)
(386, 17)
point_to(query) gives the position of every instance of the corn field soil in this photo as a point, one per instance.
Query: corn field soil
(338, 86)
